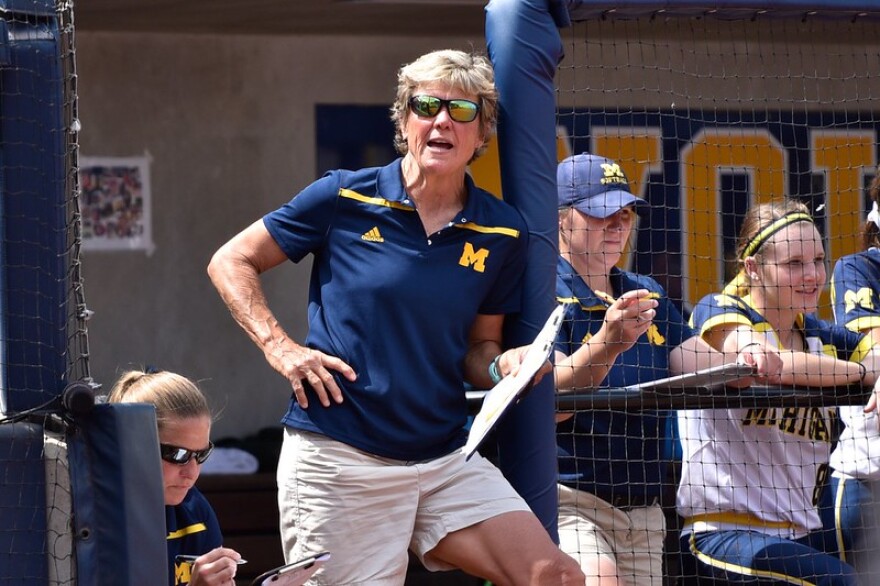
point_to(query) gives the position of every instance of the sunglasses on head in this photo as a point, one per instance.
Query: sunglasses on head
(181, 456)
(430, 106)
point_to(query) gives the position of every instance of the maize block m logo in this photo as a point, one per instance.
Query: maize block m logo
(474, 258)
(612, 174)
(862, 298)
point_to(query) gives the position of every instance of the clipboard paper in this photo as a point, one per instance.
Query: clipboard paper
(510, 388)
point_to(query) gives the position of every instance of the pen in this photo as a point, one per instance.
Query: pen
(192, 558)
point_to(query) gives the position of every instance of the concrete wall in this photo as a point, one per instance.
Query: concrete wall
(229, 124)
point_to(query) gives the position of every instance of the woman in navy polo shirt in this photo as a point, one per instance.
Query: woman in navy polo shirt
(184, 421)
(414, 269)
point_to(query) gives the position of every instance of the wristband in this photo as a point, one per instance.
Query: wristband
(864, 370)
(494, 374)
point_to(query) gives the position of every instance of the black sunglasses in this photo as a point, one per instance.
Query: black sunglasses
(181, 456)
(430, 106)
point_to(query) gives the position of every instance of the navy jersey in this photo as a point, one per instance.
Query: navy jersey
(192, 530)
(611, 452)
(397, 304)
(854, 295)
(855, 285)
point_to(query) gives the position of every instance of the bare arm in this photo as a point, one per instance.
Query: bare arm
(484, 345)
(235, 271)
(625, 320)
(696, 354)
(798, 368)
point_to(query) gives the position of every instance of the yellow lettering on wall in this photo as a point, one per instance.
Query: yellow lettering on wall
(638, 151)
(486, 170)
(843, 156)
(711, 153)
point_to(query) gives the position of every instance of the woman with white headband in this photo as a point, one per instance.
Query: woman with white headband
(752, 477)
(855, 296)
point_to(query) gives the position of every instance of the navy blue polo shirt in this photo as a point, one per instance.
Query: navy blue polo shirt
(192, 530)
(854, 290)
(397, 304)
(616, 453)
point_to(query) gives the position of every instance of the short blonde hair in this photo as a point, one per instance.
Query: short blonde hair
(468, 72)
(174, 396)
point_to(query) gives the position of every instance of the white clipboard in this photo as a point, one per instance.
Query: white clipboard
(510, 388)
(293, 574)
(706, 378)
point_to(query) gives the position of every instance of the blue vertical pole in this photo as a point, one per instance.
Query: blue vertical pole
(525, 49)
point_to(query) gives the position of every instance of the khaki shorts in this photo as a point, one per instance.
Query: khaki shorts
(368, 511)
(590, 527)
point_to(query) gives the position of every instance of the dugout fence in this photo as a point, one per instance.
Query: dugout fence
(80, 486)
(710, 109)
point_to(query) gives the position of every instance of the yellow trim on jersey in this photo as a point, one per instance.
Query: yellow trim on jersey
(189, 530)
(728, 319)
(582, 306)
(378, 201)
(838, 505)
(488, 229)
(862, 324)
(746, 519)
(862, 349)
(735, 568)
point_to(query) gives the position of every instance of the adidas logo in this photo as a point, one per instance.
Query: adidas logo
(373, 235)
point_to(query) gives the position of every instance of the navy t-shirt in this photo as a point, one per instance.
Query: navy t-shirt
(192, 530)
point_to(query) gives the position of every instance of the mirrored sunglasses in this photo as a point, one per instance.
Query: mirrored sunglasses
(181, 456)
(430, 106)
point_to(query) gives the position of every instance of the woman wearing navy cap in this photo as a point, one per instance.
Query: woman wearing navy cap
(621, 329)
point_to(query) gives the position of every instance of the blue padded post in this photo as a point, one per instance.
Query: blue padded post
(525, 48)
(33, 220)
(118, 499)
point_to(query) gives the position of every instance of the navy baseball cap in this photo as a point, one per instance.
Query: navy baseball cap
(595, 186)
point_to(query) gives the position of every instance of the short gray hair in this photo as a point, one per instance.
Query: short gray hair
(468, 72)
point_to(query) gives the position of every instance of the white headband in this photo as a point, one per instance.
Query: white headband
(874, 215)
